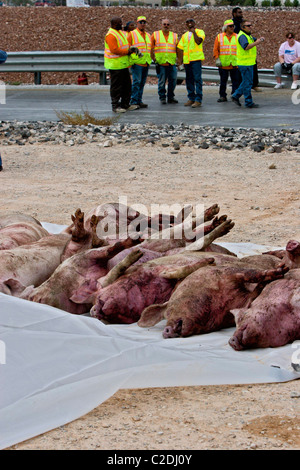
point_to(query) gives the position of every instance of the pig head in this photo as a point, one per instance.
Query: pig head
(290, 256)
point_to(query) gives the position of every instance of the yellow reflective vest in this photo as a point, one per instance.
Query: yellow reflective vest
(113, 61)
(246, 57)
(144, 46)
(165, 50)
(228, 49)
(191, 50)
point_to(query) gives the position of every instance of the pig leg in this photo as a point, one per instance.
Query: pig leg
(219, 231)
(96, 241)
(120, 268)
(204, 230)
(185, 271)
(190, 223)
(78, 233)
(183, 214)
(262, 277)
(211, 212)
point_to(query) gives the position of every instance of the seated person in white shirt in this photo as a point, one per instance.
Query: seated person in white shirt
(289, 60)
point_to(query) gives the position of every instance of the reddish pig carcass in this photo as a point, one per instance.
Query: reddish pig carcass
(273, 318)
(18, 229)
(202, 303)
(74, 283)
(30, 264)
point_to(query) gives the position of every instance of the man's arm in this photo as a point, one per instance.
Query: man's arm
(197, 38)
(113, 45)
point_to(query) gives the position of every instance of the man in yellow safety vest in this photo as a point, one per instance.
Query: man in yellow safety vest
(140, 39)
(246, 59)
(116, 60)
(163, 53)
(226, 59)
(191, 54)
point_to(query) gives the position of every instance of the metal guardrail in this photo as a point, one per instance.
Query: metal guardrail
(93, 61)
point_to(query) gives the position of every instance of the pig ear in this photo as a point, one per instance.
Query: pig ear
(16, 288)
(84, 294)
(238, 314)
(152, 315)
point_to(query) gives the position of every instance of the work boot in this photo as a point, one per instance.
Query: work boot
(236, 101)
(119, 110)
(189, 103)
(197, 104)
(133, 107)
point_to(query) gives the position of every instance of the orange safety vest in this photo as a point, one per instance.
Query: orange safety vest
(228, 49)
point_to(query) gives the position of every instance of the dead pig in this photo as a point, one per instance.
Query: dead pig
(73, 284)
(30, 264)
(290, 256)
(202, 303)
(124, 299)
(273, 319)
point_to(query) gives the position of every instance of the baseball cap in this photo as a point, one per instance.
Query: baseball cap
(141, 18)
(228, 22)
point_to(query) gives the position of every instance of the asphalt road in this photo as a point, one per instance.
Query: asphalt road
(39, 103)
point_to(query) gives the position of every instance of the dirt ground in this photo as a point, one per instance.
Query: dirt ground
(258, 191)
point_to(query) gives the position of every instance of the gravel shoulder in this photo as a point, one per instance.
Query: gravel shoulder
(259, 191)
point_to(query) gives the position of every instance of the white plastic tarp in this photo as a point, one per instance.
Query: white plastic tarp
(56, 367)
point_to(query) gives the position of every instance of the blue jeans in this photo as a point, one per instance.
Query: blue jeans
(193, 80)
(139, 77)
(167, 73)
(245, 85)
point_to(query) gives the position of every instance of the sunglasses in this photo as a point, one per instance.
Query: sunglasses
(291, 38)
(248, 25)
(143, 22)
(231, 26)
(166, 24)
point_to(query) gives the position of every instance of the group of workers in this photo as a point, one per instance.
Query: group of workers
(235, 51)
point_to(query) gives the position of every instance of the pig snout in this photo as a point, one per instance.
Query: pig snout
(235, 343)
(173, 332)
(97, 309)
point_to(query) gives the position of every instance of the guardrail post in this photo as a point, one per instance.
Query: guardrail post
(37, 78)
(102, 78)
